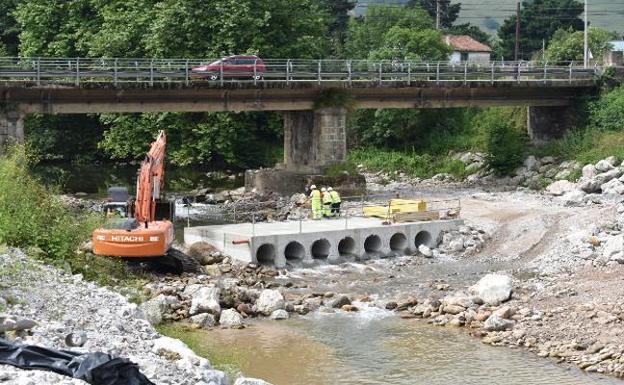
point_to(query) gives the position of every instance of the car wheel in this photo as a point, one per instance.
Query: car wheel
(213, 77)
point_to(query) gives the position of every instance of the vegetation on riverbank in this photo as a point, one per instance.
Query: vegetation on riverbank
(33, 218)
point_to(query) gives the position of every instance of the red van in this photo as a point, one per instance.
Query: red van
(237, 66)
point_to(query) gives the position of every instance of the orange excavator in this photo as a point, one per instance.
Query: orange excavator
(143, 230)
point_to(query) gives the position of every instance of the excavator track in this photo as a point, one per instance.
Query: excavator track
(182, 262)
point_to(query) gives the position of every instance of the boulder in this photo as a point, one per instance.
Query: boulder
(531, 163)
(339, 301)
(547, 160)
(279, 314)
(605, 164)
(10, 323)
(493, 288)
(200, 250)
(231, 319)
(607, 176)
(154, 309)
(563, 174)
(574, 198)
(269, 301)
(453, 309)
(613, 249)
(250, 381)
(459, 298)
(425, 251)
(589, 185)
(560, 187)
(205, 300)
(203, 321)
(589, 171)
(613, 188)
(496, 323)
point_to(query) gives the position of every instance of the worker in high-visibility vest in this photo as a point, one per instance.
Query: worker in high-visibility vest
(327, 202)
(336, 202)
(317, 205)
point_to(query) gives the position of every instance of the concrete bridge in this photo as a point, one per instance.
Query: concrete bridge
(313, 94)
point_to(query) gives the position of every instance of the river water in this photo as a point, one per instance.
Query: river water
(374, 347)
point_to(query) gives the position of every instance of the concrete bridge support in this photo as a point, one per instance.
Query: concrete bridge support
(314, 140)
(11, 126)
(545, 123)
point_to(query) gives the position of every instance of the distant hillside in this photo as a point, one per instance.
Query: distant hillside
(489, 14)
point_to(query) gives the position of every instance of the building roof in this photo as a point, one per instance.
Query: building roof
(618, 45)
(464, 43)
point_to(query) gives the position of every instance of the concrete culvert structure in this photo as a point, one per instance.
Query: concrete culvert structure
(294, 251)
(320, 249)
(398, 242)
(346, 246)
(266, 254)
(423, 238)
(372, 244)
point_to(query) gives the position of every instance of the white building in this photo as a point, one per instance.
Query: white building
(615, 56)
(467, 49)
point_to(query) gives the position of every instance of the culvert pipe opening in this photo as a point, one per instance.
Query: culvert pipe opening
(372, 244)
(294, 251)
(398, 242)
(320, 249)
(346, 246)
(423, 238)
(265, 255)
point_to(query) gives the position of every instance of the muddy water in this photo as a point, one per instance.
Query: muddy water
(375, 348)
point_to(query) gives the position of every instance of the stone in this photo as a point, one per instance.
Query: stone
(459, 298)
(496, 323)
(203, 321)
(589, 171)
(269, 301)
(493, 288)
(205, 300)
(589, 185)
(613, 188)
(339, 301)
(563, 174)
(154, 309)
(604, 165)
(505, 312)
(609, 175)
(231, 318)
(574, 198)
(391, 305)
(279, 314)
(250, 381)
(457, 245)
(9, 323)
(349, 308)
(547, 160)
(204, 252)
(531, 163)
(560, 187)
(425, 251)
(614, 248)
(453, 309)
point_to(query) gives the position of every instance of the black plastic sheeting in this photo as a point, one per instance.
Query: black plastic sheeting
(94, 368)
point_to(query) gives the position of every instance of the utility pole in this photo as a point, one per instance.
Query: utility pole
(518, 31)
(585, 40)
(437, 14)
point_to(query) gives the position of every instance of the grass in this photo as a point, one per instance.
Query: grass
(411, 163)
(227, 361)
(585, 146)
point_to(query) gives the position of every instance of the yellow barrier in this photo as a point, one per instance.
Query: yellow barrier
(396, 206)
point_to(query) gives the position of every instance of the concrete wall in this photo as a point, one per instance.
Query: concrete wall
(548, 123)
(314, 140)
(473, 58)
(11, 126)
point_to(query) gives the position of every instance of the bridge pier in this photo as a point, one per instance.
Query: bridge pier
(11, 126)
(314, 140)
(545, 123)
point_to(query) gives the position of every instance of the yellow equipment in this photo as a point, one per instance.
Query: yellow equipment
(402, 210)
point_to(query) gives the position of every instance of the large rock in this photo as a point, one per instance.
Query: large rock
(606, 164)
(425, 251)
(205, 300)
(459, 298)
(614, 248)
(589, 171)
(574, 198)
(231, 318)
(493, 288)
(154, 309)
(607, 176)
(560, 187)
(203, 321)
(339, 301)
(250, 381)
(613, 188)
(531, 163)
(279, 314)
(589, 185)
(269, 301)
(496, 323)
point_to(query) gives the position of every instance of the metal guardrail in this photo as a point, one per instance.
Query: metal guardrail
(117, 71)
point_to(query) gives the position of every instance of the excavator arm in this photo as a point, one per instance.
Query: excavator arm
(151, 180)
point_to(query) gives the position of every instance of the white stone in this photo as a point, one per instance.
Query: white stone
(547, 160)
(205, 300)
(497, 323)
(250, 381)
(204, 320)
(589, 185)
(425, 251)
(154, 309)
(560, 187)
(279, 314)
(176, 346)
(589, 171)
(613, 246)
(604, 165)
(269, 301)
(607, 176)
(231, 318)
(613, 187)
(457, 244)
(493, 288)
(574, 198)
(531, 163)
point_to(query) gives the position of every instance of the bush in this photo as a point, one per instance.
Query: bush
(607, 113)
(33, 218)
(505, 142)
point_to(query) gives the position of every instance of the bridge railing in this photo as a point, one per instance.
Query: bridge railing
(77, 71)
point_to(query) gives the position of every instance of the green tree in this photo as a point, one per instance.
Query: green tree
(539, 20)
(9, 29)
(567, 45)
(505, 141)
(448, 12)
(403, 43)
(337, 22)
(607, 113)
